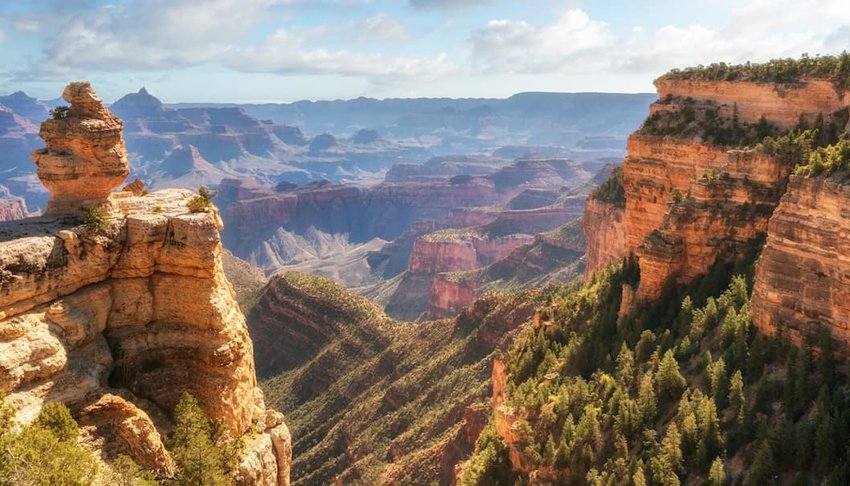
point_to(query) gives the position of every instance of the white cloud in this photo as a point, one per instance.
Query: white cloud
(284, 52)
(758, 31)
(379, 27)
(153, 34)
(141, 35)
(448, 4)
(517, 46)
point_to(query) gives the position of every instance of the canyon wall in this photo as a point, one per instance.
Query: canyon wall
(780, 103)
(119, 316)
(801, 280)
(605, 234)
(691, 203)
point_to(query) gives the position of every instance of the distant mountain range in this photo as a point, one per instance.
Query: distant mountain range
(356, 141)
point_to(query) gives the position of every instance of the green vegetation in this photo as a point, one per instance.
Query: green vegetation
(833, 68)
(47, 452)
(381, 400)
(202, 202)
(202, 449)
(96, 220)
(60, 112)
(44, 453)
(826, 161)
(682, 391)
(703, 119)
(611, 191)
(455, 234)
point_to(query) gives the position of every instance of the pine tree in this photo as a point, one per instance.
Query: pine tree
(763, 468)
(646, 399)
(736, 397)
(199, 461)
(717, 473)
(670, 381)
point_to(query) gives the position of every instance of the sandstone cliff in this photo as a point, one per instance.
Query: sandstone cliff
(693, 201)
(605, 233)
(801, 277)
(119, 316)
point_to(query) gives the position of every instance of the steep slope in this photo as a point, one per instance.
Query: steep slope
(725, 369)
(117, 317)
(551, 257)
(800, 284)
(372, 400)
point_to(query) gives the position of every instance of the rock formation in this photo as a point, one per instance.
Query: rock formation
(605, 233)
(11, 207)
(85, 158)
(119, 316)
(801, 277)
(691, 202)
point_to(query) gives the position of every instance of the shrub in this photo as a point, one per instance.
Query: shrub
(96, 220)
(611, 191)
(202, 449)
(202, 202)
(834, 68)
(59, 113)
(44, 453)
(56, 418)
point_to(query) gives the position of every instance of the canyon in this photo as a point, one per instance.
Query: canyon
(692, 203)
(119, 315)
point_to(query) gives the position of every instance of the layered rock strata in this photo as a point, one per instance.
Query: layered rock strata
(689, 203)
(801, 278)
(605, 234)
(85, 158)
(119, 316)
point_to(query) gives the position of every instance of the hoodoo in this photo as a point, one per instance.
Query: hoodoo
(85, 158)
(118, 316)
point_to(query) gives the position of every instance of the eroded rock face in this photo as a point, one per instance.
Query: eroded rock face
(781, 104)
(85, 158)
(11, 207)
(801, 277)
(690, 204)
(605, 234)
(119, 321)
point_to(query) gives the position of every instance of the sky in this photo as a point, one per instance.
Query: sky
(287, 50)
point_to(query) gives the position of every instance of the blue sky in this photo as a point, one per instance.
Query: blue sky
(285, 50)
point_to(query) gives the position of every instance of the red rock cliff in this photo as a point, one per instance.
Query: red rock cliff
(605, 234)
(802, 275)
(724, 197)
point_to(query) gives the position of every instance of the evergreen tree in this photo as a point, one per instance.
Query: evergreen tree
(646, 399)
(736, 397)
(199, 461)
(763, 469)
(717, 473)
(670, 381)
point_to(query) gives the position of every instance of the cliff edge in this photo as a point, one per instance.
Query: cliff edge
(116, 303)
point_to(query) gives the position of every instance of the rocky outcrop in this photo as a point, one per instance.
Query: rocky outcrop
(801, 280)
(691, 203)
(85, 158)
(449, 295)
(605, 233)
(780, 103)
(119, 316)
